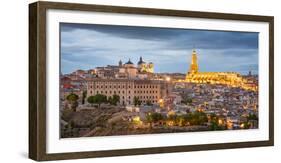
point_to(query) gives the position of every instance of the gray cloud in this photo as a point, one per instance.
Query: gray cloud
(88, 46)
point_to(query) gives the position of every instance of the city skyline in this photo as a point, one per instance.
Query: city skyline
(85, 46)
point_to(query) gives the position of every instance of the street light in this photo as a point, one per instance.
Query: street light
(161, 102)
(168, 79)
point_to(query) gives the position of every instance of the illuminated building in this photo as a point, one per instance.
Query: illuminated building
(125, 71)
(145, 67)
(228, 78)
(147, 91)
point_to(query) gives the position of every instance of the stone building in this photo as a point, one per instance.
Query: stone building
(147, 91)
(145, 67)
(233, 79)
(125, 71)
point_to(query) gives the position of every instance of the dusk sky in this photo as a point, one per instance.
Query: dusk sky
(86, 46)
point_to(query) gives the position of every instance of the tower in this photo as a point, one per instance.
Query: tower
(140, 61)
(194, 64)
(120, 63)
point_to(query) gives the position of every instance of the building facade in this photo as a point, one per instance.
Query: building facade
(145, 67)
(125, 71)
(147, 91)
(228, 78)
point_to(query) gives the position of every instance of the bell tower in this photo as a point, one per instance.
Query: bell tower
(194, 63)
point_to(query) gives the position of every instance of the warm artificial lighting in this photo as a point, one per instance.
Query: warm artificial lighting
(220, 122)
(161, 103)
(137, 120)
(168, 79)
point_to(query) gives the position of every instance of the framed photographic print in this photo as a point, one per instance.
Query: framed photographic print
(112, 81)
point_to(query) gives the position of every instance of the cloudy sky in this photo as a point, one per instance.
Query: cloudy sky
(86, 46)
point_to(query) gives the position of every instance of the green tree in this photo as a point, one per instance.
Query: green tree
(214, 123)
(148, 102)
(84, 94)
(72, 98)
(252, 117)
(97, 99)
(153, 118)
(137, 101)
(91, 100)
(115, 99)
(197, 118)
(189, 100)
(110, 100)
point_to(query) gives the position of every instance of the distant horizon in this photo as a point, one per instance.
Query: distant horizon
(86, 46)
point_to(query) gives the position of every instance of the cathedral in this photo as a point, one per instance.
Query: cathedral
(145, 67)
(228, 78)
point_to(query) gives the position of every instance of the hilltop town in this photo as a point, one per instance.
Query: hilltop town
(128, 98)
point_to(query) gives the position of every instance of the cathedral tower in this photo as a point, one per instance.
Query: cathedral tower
(194, 64)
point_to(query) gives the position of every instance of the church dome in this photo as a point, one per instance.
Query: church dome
(129, 62)
(141, 61)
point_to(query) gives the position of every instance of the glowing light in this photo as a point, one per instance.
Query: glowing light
(168, 79)
(137, 120)
(220, 122)
(171, 113)
(170, 123)
(161, 103)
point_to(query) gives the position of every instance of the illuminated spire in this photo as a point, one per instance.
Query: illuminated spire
(194, 64)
